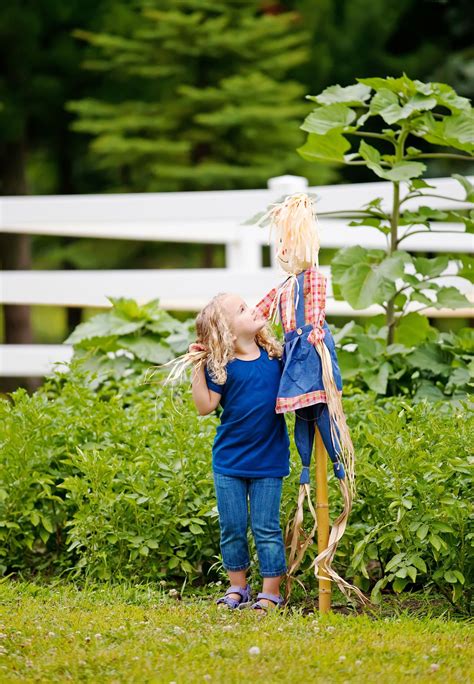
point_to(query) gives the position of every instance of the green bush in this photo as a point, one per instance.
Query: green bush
(113, 480)
(140, 334)
(411, 525)
(423, 363)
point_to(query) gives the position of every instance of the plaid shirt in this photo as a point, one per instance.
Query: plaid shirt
(314, 293)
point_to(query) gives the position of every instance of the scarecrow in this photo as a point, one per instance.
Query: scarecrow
(311, 384)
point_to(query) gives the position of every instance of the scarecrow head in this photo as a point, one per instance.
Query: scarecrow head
(293, 225)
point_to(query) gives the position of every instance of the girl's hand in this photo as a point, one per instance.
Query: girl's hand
(196, 347)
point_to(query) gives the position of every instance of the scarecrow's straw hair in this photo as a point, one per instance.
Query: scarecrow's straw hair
(293, 222)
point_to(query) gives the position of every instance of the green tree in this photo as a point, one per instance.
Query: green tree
(202, 96)
(350, 37)
(38, 153)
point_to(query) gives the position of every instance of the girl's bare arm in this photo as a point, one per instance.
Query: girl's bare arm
(205, 400)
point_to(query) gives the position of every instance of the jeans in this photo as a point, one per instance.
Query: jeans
(264, 495)
(306, 418)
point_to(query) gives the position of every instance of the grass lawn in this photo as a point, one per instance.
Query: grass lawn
(59, 633)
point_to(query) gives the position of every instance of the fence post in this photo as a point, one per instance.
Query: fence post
(244, 253)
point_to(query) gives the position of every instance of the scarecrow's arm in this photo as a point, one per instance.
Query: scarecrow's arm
(315, 304)
(265, 304)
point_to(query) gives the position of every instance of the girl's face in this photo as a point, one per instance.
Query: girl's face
(243, 321)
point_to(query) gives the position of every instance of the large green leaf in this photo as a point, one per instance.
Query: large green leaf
(430, 357)
(362, 286)
(104, 325)
(354, 95)
(101, 343)
(372, 157)
(129, 308)
(465, 339)
(451, 298)
(179, 341)
(418, 103)
(352, 272)
(367, 277)
(350, 256)
(401, 85)
(349, 363)
(448, 97)
(412, 329)
(417, 296)
(460, 377)
(330, 147)
(467, 185)
(368, 347)
(423, 215)
(431, 267)
(466, 269)
(394, 265)
(153, 310)
(460, 128)
(377, 380)
(386, 104)
(334, 117)
(147, 348)
(451, 131)
(428, 390)
(165, 324)
(346, 330)
(404, 171)
(400, 171)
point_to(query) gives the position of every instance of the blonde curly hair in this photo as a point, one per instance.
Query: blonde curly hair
(213, 332)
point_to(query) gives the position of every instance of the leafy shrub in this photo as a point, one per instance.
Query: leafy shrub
(115, 483)
(113, 480)
(146, 334)
(412, 520)
(422, 363)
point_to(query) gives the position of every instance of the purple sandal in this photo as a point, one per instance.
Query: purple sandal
(277, 600)
(232, 603)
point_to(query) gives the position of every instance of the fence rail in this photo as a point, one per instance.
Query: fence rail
(202, 218)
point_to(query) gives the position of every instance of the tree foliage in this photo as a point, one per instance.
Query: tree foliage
(206, 102)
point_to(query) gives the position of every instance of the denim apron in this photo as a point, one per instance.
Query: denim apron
(302, 370)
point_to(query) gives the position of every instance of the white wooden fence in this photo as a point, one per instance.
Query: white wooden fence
(193, 217)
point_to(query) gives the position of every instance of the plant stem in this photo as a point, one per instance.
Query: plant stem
(392, 248)
(451, 199)
(441, 155)
(394, 221)
(342, 211)
(426, 280)
(379, 136)
(429, 230)
(355, 214)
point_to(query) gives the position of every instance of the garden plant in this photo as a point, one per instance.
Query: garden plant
(390, 126)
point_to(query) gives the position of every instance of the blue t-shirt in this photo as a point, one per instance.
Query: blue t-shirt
(251, 440)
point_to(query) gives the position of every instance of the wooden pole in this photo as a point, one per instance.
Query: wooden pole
(322, 515)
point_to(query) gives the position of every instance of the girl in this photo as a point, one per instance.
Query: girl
(237, 364)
